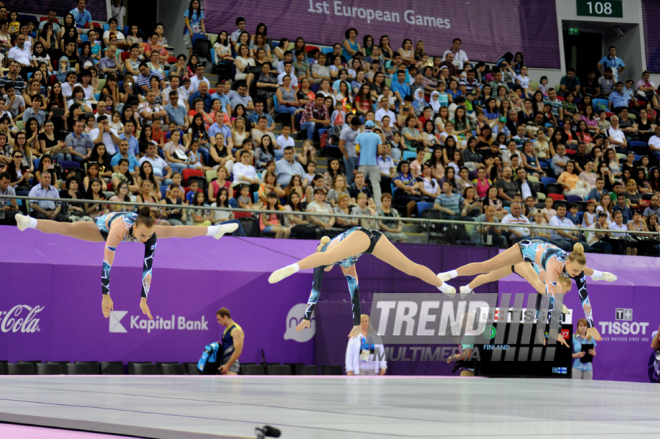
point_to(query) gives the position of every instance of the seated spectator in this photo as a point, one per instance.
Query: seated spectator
(653, 207)
(245, 173)
(488, 234)
(8, 207)
(564, 238)
(530, 161)
(218, 184)
(548, 212)
(273, 222)
(540, 234)
(516, 234)
(448, 202)
(287, 167)
(589, 177)
(262, 130)
(175, 152)
(319, 206)
(342, 208)
(123, 175)
(507, 188)
(572, 214)
(390, 228)
(94, 192)
(269, 185)
(45, 209)
(365, 208)
(571, 182)
(339, 187)
(633, 197)
(201, 217)
(598, 191)
(160, 167)
(359, 186)
(618, 237)
(428, 186)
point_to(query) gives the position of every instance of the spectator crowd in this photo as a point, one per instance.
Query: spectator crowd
(106, 112)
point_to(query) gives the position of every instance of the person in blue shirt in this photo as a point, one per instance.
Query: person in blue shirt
(612, 62)
(367, 145)
(582, 371)
(400, 88)
(194, 19)
(133, 143)
(82, 16)
(123, 153)
(618, 99)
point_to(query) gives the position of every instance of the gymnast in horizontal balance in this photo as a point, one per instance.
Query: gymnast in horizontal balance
(344, 250)
(542, 265)
(117, 227)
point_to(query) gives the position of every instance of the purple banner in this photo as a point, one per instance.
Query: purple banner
(40, 7)
(651, 10)
(487, 28)
(625, 313)
(50, 300)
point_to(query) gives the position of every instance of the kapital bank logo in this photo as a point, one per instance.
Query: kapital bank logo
(174, 323)
(21, 318)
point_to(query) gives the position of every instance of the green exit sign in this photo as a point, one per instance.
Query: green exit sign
(591, 8)
(573, 31)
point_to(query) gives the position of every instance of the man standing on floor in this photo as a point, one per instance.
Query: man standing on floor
(232, 343)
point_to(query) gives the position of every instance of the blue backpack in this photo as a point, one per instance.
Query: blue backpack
(209, 362)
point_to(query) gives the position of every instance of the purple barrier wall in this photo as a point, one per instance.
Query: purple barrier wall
(488, 28)
(62, 7)
(625, 313)
(50, 299)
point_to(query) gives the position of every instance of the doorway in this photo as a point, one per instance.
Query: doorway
(582, 52)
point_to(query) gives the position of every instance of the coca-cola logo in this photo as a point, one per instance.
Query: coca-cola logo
(16, 320)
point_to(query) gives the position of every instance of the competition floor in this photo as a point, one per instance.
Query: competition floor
(331, 407)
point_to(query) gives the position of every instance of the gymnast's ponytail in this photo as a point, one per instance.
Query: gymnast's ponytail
(322, 244)
(145, 218)
(577, 255)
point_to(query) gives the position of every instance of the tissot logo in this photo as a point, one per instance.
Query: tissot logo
(624, 314)
(115, 321)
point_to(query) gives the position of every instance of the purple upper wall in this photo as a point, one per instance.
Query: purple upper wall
(487, 28)
(62, 7)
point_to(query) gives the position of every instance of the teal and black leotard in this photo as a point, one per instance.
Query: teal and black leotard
(374, 236)
(115, 228)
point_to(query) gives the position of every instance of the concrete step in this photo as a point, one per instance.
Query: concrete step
(410, 228)
(417, 238)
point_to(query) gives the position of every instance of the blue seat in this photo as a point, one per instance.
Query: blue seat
(83, 37)
(106, 27)
(421, 207)
(29, 75)
(97, 96)
(548, 180)
(573, 199)
(255, 195)
(580, 217)
(408, 155)
(163, 191)
(327, 50)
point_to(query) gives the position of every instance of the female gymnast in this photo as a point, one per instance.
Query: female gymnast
(344, 250)
(542, 265)
(118, 227)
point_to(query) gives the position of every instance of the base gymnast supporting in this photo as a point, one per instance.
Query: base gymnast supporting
(115, 228)
(344, 250)
(537, 257)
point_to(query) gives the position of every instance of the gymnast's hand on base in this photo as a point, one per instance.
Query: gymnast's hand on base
(145, 308)
(106, 305)
(593, 333)
(302, 325)
(354, 332)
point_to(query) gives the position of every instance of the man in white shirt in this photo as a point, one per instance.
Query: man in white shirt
(616, 135)
(564, 239)
(654, 145)
(460, 57)
(174, 86)
(288, 70)
(19, 52)
(198, 78)
(150, 110)
(240, 23)
(559, 160)
(105, 135)
(158, 165)
(516, 217)
(384, 110)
